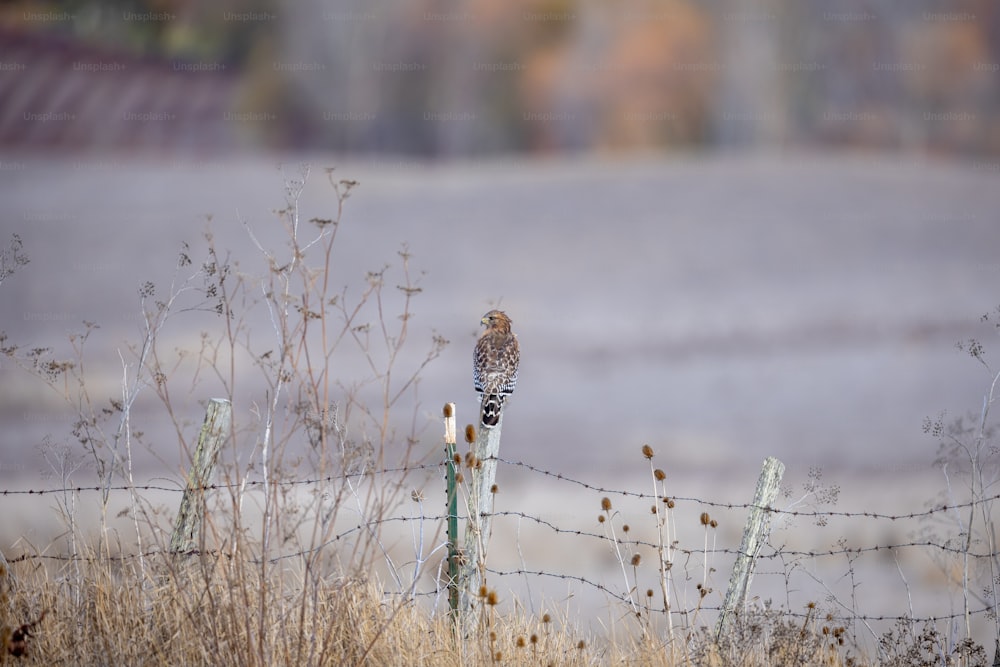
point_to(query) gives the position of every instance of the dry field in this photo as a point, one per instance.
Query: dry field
(721, 309)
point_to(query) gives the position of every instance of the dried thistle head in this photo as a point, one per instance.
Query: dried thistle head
(449, 410)
(606, 504)
(705, 519)
(647, 451)
(659, 475)
(470, 433)
(636, 558)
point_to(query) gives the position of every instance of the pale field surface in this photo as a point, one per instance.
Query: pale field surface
(722, 309)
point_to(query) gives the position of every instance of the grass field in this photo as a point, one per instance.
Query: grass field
(323, 542)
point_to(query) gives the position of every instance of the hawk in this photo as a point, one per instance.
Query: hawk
(494, 365)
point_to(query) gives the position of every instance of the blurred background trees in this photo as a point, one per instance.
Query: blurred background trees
(486, 77)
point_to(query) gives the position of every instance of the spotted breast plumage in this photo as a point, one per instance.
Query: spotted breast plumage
(494, 370)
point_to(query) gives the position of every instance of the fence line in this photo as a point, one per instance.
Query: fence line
(222, 486)
(624, 599)
(770, 552)
(519, 464)
(736, 552)
(216, 553)
(776, 552)
(773, 510)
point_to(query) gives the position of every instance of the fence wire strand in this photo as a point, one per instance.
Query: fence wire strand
(625, 493)
(773, 551)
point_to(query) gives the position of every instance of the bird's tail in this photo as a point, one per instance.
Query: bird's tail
(492, 405)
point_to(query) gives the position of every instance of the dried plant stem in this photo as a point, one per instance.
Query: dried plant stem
(663, 544)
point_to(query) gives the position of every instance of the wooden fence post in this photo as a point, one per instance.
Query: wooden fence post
(214, 431)
(754, 535)
(477, 527)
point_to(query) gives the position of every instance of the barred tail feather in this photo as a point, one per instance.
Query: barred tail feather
(492, 405)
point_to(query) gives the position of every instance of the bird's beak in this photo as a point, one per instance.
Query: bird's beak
(485, 320)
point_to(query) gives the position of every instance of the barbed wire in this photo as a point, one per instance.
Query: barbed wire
(778, 552)
(814, 514)
(723, 505)
(775, 551)
(627, 600)
(223, 486)
(772, 552)
(520, 572)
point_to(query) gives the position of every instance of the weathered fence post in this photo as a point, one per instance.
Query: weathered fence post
(477, 527)
(214, 431)
(454, 554)
(754, 535)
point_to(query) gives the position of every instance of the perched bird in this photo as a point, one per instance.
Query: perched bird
(494, 365)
